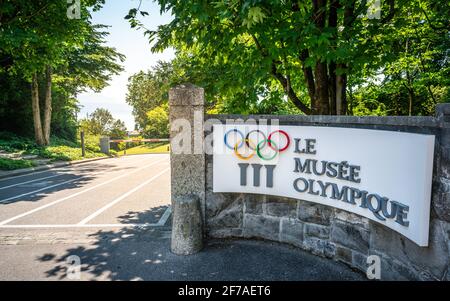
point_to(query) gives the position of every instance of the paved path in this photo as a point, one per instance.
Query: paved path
(114, 215)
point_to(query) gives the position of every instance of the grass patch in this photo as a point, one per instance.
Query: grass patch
(151, 148)
(11, 164)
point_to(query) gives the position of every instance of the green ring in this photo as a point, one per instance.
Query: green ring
(258, 148)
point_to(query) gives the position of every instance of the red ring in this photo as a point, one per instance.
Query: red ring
(287, 137)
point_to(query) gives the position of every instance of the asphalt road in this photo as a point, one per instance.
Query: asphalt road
(113, 217)
(99, 194)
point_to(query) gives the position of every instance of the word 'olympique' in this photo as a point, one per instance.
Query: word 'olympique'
(382, 207)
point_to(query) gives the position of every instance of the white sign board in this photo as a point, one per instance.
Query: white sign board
(382, 175)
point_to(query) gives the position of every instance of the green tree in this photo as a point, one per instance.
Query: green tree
(313, 44)
(314, 52)
(98, 123)
(149, 90)
(157, 122)
(102, 123)
(118, 130)
(41, 44)
(416, 74)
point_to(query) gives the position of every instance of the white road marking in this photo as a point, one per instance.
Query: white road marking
(160, 223)
(163, 220)
(31, 181)
(63, 172)
(77, 226)
(38, 190)
(123, 196)
(46, 170)
(75, 194)
(31, 174)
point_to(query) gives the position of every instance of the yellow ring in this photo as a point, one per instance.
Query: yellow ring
(236, 146)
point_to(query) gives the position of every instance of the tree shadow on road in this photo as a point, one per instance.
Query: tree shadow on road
(144, 254)
(119, 254)
(81, 176)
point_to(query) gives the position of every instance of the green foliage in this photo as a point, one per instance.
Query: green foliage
(102, 123)
(92, 143)
(58, 150)
(37, 34)
(64, 153)
(147, 91)
(10, 142)
(118, 130)
(11, 164)
(158, 122)
(249, 55)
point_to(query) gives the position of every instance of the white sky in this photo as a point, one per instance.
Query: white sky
(134, 46)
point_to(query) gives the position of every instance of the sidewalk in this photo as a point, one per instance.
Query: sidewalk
(143, 254)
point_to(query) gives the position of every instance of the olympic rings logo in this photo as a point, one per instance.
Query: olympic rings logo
(258, 147)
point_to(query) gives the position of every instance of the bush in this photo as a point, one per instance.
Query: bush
(12, 143)
(65, 153)
(92, 143)
(59, 149)
(113, 153)
(10, 164)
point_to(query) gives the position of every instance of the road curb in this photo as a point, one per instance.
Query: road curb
(24, 171)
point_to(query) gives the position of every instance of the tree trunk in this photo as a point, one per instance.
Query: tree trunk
(321, 69)
(352, 101)
(36, 111)
(411, 97)
(48, 105)
(309, 78)
(322, 95)
(341, 92)
(333, 85)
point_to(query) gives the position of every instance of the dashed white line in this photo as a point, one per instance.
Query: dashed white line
(39, 190)
(123, 196)
(31, 181)
(75, 194)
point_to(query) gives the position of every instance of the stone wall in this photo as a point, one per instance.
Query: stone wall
(338, 234)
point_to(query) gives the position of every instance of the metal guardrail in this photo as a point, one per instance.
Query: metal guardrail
(139, 140)
(105, 143)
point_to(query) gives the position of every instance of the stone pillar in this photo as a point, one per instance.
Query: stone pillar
(441, 195)
(186, 106)
(104, 145)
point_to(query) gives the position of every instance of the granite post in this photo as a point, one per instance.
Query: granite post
(186, 113)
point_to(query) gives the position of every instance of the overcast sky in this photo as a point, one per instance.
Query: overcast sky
(134, 46)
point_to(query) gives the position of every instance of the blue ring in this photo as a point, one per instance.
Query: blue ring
(226, 141)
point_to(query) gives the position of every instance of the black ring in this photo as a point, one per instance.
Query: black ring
(248, 135)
